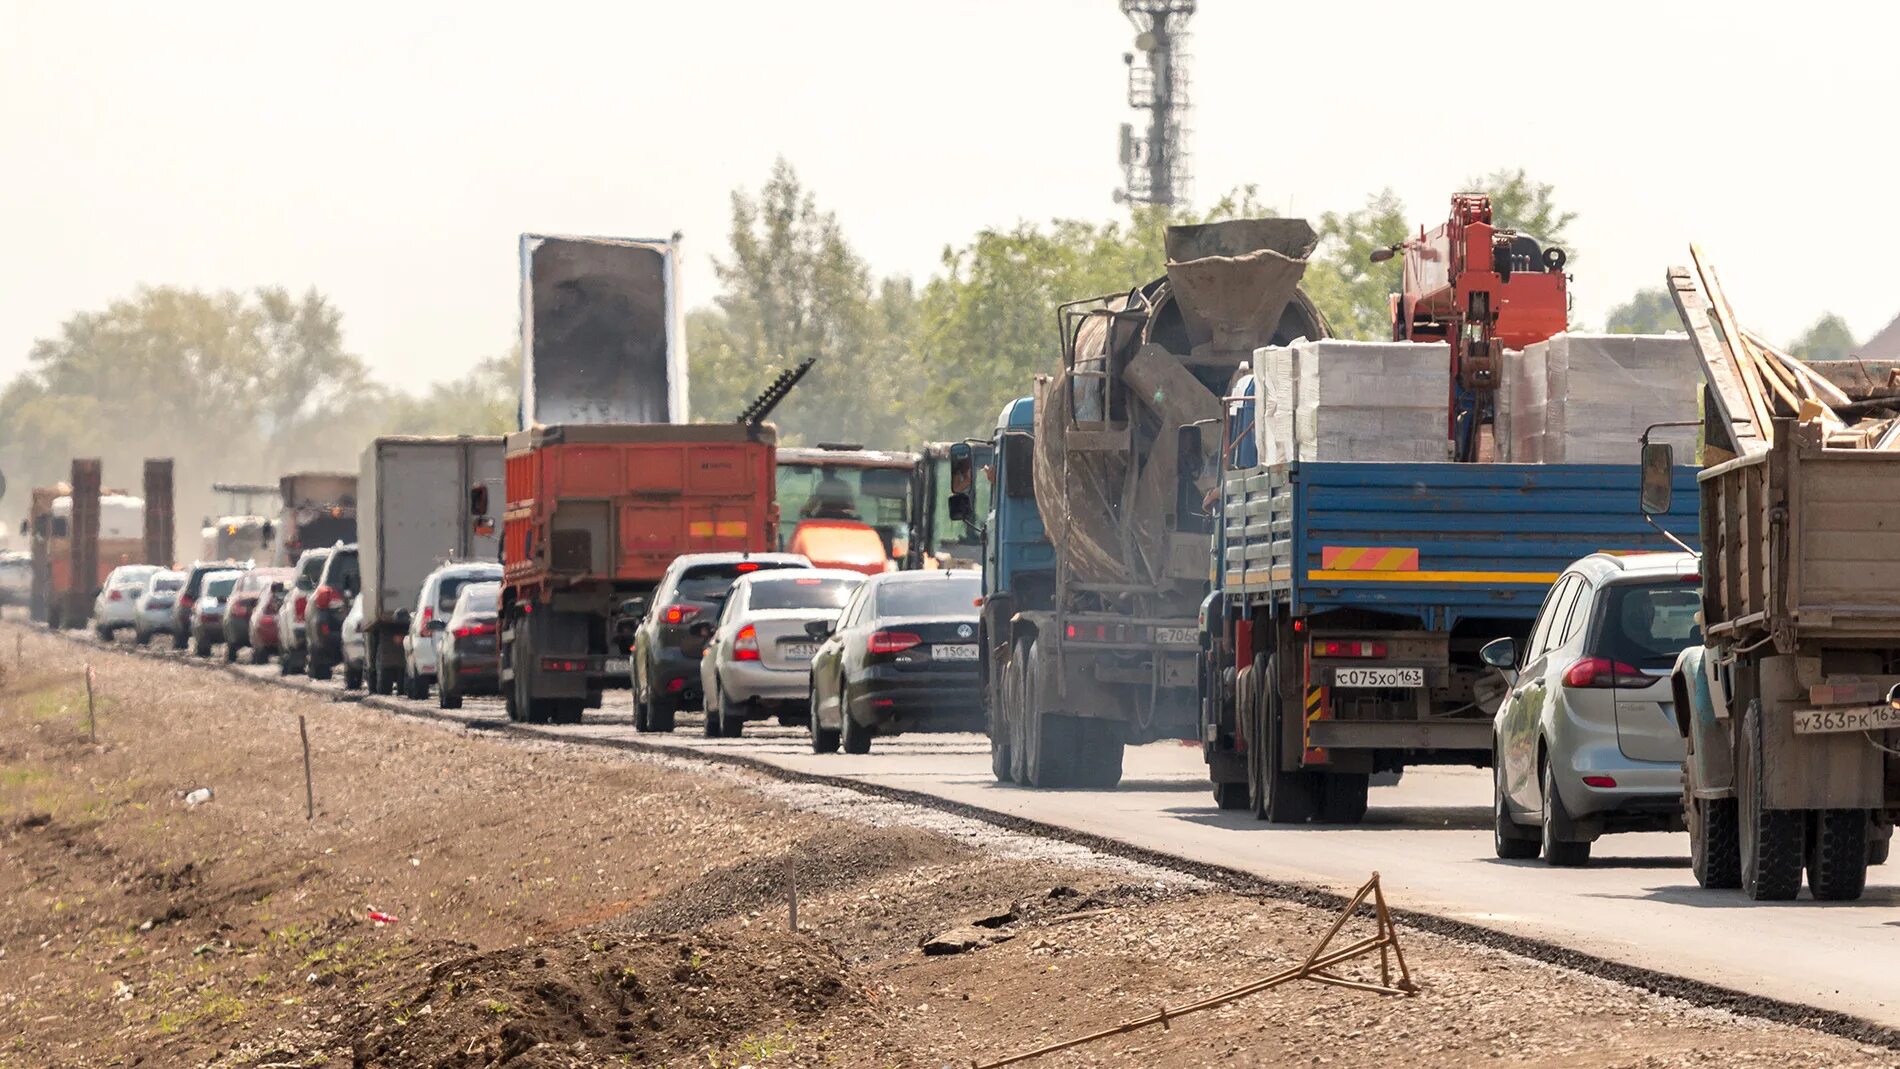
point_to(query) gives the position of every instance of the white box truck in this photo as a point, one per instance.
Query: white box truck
(424, 502)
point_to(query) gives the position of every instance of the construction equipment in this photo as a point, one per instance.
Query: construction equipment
(317, 509)
(1091, 644)
(160, 512)
(1787, 709)
(77, 533)
(606, 483)
(841, 495)
(1482, 290)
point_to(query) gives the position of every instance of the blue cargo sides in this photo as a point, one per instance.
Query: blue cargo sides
(1440, 542)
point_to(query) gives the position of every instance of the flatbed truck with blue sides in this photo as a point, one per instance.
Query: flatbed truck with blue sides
(1349, 600)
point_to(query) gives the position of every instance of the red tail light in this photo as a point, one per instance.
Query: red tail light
(115, 596)
(679, 614)
(1599, 781)
(428, 613)
(184, 601)
(486, 627)
(745, 644)
(891, 641)
(748, 566)
(329, 597)
(240, 609)
(1601, 673)
(303, 603)
(1334, 648)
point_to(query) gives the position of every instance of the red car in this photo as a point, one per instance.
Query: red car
(266, 640)
(245, 596)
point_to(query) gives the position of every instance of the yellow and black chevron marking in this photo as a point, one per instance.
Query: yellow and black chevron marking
(1318, 707)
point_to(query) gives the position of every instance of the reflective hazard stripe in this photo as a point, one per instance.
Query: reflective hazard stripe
(1369, 558)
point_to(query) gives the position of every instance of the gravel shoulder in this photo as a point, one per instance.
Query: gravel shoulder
(466, 900)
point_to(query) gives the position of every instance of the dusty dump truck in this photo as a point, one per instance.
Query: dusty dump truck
(1093, 645)
(1787, 709)
(318, 508)
(425, 502)
(606, 483)
(77, 533)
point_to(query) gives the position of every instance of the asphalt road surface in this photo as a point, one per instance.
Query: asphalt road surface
(1429, 836)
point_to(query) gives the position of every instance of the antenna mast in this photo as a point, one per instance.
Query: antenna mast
(1155, 163)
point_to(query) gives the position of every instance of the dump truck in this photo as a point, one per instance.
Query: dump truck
(424, 502)
(77, 533)
(606, 483)
(318, 508)
(1788, 709)
(1093, 646)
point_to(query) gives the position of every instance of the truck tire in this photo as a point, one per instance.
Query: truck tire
(1231, 795)
(1878, 847)
(1098, 757)
(1001, 768)
(823, 740)
(1042, 746)
(565, 710)
(1837, 855)
(1279, 796)
(352, 677)
(1559, 848)
(1715, 845)
(1509, 839)
(320, 670)
(382, 679)
(1342, 797)
(1772, 840)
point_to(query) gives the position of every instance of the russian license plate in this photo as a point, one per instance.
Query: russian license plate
(1379, 678)
(1177, 636)
(1850, 718)
(799, 651)
(954, 653)
(619, 666)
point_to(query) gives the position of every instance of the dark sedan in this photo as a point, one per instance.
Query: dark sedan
(902, 656)
(250, 588)
(467, 660)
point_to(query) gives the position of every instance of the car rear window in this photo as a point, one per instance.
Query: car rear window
(486, 597)
(220, 586)
(167, 583)
(342, 572)
(1647, 624)
(802, 593)
(451, 587)
(312, 569)
(929, 597)
(710, 582)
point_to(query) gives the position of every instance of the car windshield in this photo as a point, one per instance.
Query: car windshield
(812, 592)
(1647, 624)
(219, 586)
(451, 587)
(952, 598)
(711, 582)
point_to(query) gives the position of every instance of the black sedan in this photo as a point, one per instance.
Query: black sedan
(902, 656)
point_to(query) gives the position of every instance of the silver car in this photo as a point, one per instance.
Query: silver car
(1586, 739)
(116, 607)
(758, 650)
(434, 603)
(152, 613)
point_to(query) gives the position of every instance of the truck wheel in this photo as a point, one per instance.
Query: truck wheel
(320, 670)
(565, 710)
(1000, 768)
(352, 677)
(1559, 848)
(823, 740)
(1279, 796)
(1771, 839)
(1231, 795)
(1099, 757)
(1342, 797)
(1715, 845)
(1837, 855)
(1878, 846)
(1509, 839)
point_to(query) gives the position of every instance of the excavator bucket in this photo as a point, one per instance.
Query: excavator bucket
(1234, 280)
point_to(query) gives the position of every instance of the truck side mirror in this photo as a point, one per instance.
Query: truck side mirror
(962, 499)
(1499, 653)
(635, 607)
(478, 500)
(1659, 464)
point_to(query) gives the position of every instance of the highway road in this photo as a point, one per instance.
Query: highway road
(1429, 836)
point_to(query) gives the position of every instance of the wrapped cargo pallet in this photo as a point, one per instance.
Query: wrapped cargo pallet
(1332, 400)
(1587, 398)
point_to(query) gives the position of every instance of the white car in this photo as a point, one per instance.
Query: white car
(207, 612)
(117, 604)
(152, 613)
(433, 606)
(355, 646)
(1586, 740)
(758, 650)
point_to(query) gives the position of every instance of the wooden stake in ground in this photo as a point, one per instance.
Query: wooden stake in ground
(791, 888)
(92, 720)
(309, 792)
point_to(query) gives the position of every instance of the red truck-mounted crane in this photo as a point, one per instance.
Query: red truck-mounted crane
(1482, 289)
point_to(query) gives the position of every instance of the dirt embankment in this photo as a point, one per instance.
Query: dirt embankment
(464, 901)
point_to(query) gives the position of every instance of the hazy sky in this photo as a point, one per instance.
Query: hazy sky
(388, 154)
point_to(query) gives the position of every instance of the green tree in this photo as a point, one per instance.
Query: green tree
(1648, 311)
(1518, 203)
(1353, 293)
(792, 288)
(1827, 339)
(487, 400)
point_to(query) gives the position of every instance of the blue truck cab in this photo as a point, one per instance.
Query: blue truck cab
(1349, 601)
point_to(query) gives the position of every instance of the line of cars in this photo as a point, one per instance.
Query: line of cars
(305, 617)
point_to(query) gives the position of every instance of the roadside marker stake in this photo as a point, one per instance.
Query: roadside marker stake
(1317, 967)
(309, 794)
(791, 887)
(92, 721)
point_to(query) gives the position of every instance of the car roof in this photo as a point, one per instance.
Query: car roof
(788, 575)
(461, 566)
(688, 560)
(928, 575)
(1648, 564)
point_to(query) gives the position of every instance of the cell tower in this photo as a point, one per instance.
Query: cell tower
(1155, 163)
